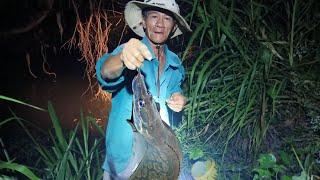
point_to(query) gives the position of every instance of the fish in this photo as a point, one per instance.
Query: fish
(156, 149)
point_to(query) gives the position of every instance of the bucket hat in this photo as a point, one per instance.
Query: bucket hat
(133, 15)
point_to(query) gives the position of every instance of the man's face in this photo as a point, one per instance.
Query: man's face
(158, 26)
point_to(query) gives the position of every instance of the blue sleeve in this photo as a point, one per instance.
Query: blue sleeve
(109, 85)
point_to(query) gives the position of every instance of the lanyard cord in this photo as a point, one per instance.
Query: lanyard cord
(158, 76)
(158, 83)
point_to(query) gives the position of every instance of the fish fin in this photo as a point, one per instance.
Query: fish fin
(130, 121)
(158, 106)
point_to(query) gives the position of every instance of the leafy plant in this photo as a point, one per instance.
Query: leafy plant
(245, 72)
(17, 167)
(72, 155)
(268, 167)
(195, 153)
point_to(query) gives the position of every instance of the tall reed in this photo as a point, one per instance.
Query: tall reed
(241, 63)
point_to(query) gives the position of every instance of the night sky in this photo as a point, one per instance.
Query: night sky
(62, 80)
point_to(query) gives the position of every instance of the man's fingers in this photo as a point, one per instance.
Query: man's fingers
(134, 61)
(175, 108)
(129, 62)
(145, 52)
(138, 56)
(129, 65)
(174, 105)
(175, 102)
(180, 98)
(136, 48)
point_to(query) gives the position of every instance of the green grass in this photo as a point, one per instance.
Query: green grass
(246, 74)
(71, 155)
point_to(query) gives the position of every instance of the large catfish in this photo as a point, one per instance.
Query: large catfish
(157, 152)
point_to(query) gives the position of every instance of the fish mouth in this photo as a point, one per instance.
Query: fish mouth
(139, 97)
(139, 88)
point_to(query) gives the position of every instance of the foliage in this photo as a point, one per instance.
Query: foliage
(18, 167)
(72, 155)
(195, 154)
(268, 167)
(250, 66)
(19, 102)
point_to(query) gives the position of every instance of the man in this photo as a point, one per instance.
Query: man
(156, 21)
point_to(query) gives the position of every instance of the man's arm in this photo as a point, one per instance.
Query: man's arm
(132, 55)
(113, 67)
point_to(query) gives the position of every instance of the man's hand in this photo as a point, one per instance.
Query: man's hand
(134, 53)
(176, 102)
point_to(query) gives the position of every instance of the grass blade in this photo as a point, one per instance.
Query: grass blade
(20, 168)
(21, 102)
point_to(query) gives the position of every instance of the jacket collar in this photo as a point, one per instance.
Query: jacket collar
(170, 58)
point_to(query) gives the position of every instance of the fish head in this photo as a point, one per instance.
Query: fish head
(144, 110)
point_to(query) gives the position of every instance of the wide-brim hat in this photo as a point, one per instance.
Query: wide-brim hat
(133, 15)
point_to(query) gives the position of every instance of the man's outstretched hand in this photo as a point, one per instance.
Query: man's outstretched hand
(176, 102)
(134, 53)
